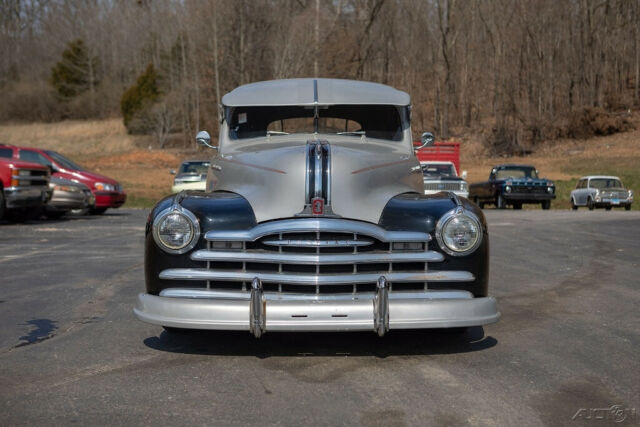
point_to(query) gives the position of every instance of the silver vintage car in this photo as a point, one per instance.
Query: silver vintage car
(318, 222)
(599, 191)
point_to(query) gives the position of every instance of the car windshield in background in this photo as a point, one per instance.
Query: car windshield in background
(372, 121)
(194, 168)
(437, 170)
(63, 161)
(605, 183)
(516, 172)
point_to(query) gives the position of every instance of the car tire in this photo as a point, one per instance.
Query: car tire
(626, 208)
(55, 215)
(590, 204)
(481, 204)
(1, 203)
(573, 205)
(500, 202)
(97, 211)
(517, 206)
(607, 208)
(546, 205)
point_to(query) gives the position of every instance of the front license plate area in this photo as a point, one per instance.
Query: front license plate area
(615, 201)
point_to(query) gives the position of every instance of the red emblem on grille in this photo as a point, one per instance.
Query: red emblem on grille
(317, 206)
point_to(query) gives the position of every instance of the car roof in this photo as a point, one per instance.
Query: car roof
(600, 177)
(311, 91)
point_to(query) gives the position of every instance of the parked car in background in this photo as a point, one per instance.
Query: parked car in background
(442, 176)
(68, 195)
(318, 222)
(598, 191)
(24, 188)
(513, 185)
(192, 175)
(107, 191)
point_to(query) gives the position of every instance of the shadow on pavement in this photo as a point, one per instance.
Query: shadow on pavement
(395, 343)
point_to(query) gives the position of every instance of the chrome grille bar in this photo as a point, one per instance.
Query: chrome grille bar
(330, 225)
(322, 259)
(314, 279)
(317, 243)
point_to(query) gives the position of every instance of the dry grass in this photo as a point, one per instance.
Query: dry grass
(106, 148)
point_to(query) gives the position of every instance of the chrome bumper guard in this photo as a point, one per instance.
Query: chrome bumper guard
(258, 311)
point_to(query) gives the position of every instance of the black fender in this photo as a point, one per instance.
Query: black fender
(419, 212)
(218, 210)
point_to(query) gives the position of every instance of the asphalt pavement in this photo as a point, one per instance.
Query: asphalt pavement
(565, 352)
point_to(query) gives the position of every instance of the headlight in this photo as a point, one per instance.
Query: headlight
(550, 190)
(67, 188)
(101, 186)
(463, 186)
(176, 230)
(459, 232)
(507, 189)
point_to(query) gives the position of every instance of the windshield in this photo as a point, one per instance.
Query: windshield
(516, 172)
(372, 121)
(605, 183)
(194, 168)
(438, 170)
(63, 161)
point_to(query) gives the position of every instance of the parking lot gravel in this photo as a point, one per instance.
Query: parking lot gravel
(566, 348)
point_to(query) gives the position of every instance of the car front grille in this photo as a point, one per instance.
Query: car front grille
(615, 194)
(316, 256)
(530, 189)
(32, 177)
(443, 186)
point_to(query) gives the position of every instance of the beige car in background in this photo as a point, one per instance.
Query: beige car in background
(192, 175)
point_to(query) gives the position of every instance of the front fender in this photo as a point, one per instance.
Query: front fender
(215, 211)
(418, 212)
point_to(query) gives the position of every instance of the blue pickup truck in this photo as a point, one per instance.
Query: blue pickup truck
(513, 185)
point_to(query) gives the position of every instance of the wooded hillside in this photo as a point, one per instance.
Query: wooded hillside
(517, 72)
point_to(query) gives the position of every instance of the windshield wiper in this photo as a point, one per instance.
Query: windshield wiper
(351, 132)
(276, 132)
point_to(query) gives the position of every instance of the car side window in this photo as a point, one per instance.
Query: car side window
(6, 152)
(32, 156)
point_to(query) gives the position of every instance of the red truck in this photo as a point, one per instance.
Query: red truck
(440, 151)
(107, 191)
(24, 188)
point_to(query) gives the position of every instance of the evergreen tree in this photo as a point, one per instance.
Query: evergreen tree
(76, 73)
(139, 97)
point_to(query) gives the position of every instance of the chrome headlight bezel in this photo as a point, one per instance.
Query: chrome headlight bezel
(193, 222)
(446, 219)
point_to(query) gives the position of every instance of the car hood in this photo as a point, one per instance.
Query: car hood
(55, 180)
(443, 178)
(272, 177)
(86, 177)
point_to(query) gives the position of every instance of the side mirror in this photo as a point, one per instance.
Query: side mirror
(426, 139)
(203, 138)
(172, 171)
(464, 174)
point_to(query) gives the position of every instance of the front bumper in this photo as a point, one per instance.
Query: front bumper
(26, 197)
(260, 312)
(66, 200)
(197, 185)
(110, 199)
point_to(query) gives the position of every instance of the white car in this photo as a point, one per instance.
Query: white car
(601, 192)
(442, 176)
(192, 175)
